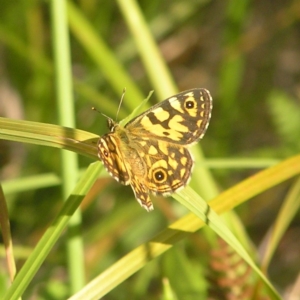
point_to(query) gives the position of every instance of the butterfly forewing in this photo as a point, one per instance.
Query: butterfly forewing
(181, 119)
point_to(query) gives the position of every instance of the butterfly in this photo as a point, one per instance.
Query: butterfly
(150, 153)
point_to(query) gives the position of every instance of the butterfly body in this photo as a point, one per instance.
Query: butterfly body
(150, 152)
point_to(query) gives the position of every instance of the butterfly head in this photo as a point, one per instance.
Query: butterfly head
(111, 124)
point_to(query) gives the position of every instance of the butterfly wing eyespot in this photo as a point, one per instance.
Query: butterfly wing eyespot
(150, 153)
(189, 104)
(159, 175)
(105, 152)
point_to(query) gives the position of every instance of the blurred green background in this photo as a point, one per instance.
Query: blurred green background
(246, 53)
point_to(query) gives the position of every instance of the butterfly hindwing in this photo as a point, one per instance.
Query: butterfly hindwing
(112, 158)
(169, 166)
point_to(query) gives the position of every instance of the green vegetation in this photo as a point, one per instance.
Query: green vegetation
(59, 59)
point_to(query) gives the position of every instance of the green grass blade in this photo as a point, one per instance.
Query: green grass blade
(286, 214)
(66, 116)
(79, 141)
(226, 201)
(96, 47)
(200, 208)
(154, 63)
(50, 237)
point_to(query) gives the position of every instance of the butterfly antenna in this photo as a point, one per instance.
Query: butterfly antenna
(104, 115)
(122, 97)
